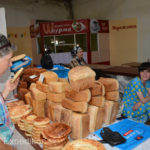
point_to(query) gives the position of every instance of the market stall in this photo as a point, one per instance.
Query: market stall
(61, 36)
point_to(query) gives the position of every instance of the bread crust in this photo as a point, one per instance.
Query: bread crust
(110, 84)
(83, 144)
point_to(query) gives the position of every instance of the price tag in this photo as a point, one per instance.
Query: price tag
(41, 78)
(33, 76)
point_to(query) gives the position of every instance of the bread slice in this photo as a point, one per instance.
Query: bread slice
(113, 95)
(55, 97)
(42, 87)
(58, 87)
(110, 84)
(96, 117)
(37, 94)
(18, 57)
(75, 106)
(97, 101)
(97, 89)
(82, 96)
(79, 125)
(84, 144)
(81, 77)
(49, 76)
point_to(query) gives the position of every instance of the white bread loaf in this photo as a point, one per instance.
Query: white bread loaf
(58, 87)
(81, 77)
(42, 87)
(75, 106)
(66, 115)
(114, 112)
(96, 117)
(39, 107)
(49, 76)
(37, 94)
(110, 84)
(82, 96)
(97, 89)
(57, 113)
(62, 80)
(28, 98)
(33, 85)
(110, 111)
(55, 97)
(113, 95)
(50, 109)
(97, 101)
(79, 125)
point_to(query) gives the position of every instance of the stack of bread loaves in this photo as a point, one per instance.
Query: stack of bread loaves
(111, 95)
(77, 98)
(55, 95)
(96, 106)
(30, 75)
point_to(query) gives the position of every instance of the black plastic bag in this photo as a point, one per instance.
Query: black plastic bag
(111, 137)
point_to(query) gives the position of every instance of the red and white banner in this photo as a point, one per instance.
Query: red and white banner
(64, 27)
(70, 27)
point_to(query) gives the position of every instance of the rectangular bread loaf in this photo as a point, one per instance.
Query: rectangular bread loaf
(110, 111)
(79, 126)
(110, 84)
(58, 87)
(42, 87)
(96, 117)
(37, 94)
(38, 107)
(28, 98)
(49, 76)
(81, 78)
(113, 95)
(97, 89)
(82, 96)
(97, 101)
(75, 106)
(55, 97)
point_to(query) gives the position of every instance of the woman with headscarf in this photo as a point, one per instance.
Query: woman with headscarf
(136, 97)
(77, 54)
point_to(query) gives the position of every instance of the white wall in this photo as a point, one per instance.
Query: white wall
(120, 9)
(21, 13)
(3, 29)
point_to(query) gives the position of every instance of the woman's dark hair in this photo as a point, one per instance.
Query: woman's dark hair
(5, 46)
(144, 66)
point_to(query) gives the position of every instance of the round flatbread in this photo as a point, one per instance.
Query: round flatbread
(84, 144)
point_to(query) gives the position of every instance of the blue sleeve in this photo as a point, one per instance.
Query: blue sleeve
(148, 84)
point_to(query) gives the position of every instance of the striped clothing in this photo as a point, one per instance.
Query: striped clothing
(6, 126)
(77, 62)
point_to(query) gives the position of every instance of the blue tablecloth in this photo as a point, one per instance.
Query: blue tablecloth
(135, 133)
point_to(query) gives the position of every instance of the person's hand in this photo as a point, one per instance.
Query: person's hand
(136, 106)
(9, 86)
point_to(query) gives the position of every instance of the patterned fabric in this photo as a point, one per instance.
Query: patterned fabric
(6, 126)
(130, 98)
(76, 62)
